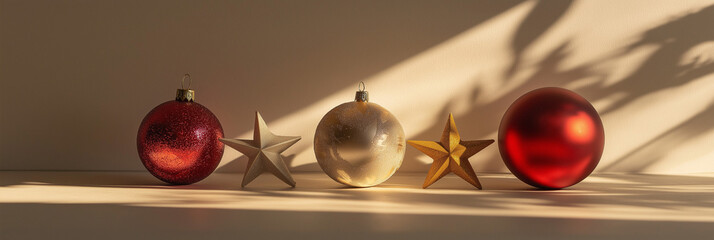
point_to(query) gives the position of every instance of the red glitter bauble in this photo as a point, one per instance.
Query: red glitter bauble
(551, 138)
(178, 142)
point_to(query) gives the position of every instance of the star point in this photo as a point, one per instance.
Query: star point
(451, 154)
(264, 152)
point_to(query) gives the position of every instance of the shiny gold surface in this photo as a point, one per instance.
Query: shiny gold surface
(359, 144)
(451, 154)
(185, 95)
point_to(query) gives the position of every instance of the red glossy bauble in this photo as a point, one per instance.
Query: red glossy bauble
(178, 142)
(551, 138)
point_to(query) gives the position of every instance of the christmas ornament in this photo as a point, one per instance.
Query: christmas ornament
(551, 138)
(359, 144)
(178, 140)
(451, 154)
(263, 152)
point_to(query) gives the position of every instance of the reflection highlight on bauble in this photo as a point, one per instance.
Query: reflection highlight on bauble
(359, 144)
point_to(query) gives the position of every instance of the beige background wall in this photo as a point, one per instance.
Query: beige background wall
(77, 77)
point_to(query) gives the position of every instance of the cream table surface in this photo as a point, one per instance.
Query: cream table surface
(134, 205)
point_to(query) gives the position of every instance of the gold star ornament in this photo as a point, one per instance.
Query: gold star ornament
(451, 154)
(263, 152)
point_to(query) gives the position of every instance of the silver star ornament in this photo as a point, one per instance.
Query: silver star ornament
(263, 152)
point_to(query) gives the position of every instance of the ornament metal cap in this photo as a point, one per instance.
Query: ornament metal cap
(185, 94)
(361, 95)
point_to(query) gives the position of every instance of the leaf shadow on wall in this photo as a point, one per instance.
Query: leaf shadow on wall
(111, 63)
(660, 71)
(401, 37)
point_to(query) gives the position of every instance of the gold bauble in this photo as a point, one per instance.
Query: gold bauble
(359, 144)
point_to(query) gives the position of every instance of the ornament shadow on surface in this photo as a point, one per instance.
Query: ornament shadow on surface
(600, 202)
(648, 191)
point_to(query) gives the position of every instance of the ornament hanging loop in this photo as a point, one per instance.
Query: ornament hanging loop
(361, 95)
(184, 79)
(185, 94)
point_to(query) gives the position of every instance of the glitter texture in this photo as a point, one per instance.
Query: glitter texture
(178, 142)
